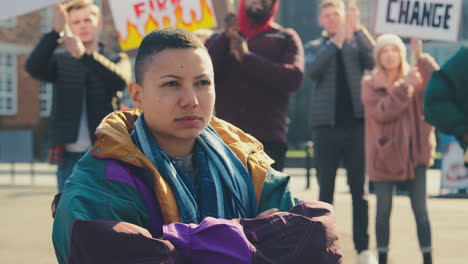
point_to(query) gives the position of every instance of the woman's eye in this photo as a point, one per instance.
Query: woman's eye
(171, 83)
(203, 82)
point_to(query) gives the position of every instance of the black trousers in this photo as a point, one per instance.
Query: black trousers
(276, 151)
(333, 145)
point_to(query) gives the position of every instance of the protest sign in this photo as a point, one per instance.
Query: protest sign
(134, 18)
(454, 172)
(425, 19)
(20, 7)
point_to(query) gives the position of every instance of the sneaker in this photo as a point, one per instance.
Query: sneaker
(366, 257)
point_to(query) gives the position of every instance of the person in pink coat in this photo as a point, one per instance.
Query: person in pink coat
(400, 145)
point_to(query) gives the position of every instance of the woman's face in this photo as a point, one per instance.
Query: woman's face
(177, 94)
(390, 57)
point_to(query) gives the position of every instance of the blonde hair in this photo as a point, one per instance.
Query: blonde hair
(79, 4)
(332, 3)
(391, 39)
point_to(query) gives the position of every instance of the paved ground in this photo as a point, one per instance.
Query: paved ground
(26, 222)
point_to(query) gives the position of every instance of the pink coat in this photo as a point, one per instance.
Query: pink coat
(397, 137)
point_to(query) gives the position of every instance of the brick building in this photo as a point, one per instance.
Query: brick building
(20, 95)
(24, 102)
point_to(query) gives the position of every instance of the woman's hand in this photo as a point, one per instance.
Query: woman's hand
(129, 228)
(413, 77)
(409, 82)
(416, 47)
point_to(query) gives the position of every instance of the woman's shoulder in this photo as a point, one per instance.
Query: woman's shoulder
(93, 171)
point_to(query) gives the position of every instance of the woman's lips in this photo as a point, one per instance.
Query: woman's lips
(189, 121)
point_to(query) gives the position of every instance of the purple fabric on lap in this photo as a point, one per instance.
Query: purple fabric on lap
(212, 241)
(307, 234)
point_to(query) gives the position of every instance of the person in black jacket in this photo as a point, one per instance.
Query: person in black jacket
(336, 63)
(85, 81)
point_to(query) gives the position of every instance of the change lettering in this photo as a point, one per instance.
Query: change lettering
(420, 13)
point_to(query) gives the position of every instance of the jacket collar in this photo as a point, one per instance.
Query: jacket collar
(113, 141)
(113, 138)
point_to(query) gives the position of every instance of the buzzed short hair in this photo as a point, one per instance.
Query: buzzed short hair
(332, 3)
(159, 40)
(79, 4)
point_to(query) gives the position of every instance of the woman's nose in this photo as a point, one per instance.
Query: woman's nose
(188, 97)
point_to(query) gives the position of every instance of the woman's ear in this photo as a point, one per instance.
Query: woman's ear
(136, 94)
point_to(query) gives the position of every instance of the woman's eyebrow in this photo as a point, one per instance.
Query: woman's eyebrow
(200, 76)
(170, 76)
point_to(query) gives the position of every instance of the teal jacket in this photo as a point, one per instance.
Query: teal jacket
(446, 97)
(114, 181)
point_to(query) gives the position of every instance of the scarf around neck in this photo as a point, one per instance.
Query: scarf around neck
(231, 194)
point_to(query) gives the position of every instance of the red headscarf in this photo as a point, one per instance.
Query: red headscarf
(250, 28)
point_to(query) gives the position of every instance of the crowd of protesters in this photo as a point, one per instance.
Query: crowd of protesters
(165, 178)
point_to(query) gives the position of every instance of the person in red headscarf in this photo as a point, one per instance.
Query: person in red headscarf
(258, 64)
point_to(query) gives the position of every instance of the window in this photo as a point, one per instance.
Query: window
(8, 91)
(47, 20)
(45, 99)
(8, 23)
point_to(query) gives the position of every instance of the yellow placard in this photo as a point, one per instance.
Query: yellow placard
(135, 18)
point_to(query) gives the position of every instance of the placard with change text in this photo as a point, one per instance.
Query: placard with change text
(425, 19)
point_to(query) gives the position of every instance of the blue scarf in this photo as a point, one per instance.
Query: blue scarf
(223, 187)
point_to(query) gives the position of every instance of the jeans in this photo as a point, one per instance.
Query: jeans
(65, 169)
(331, 146)
(417, 194)
(276, 151)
